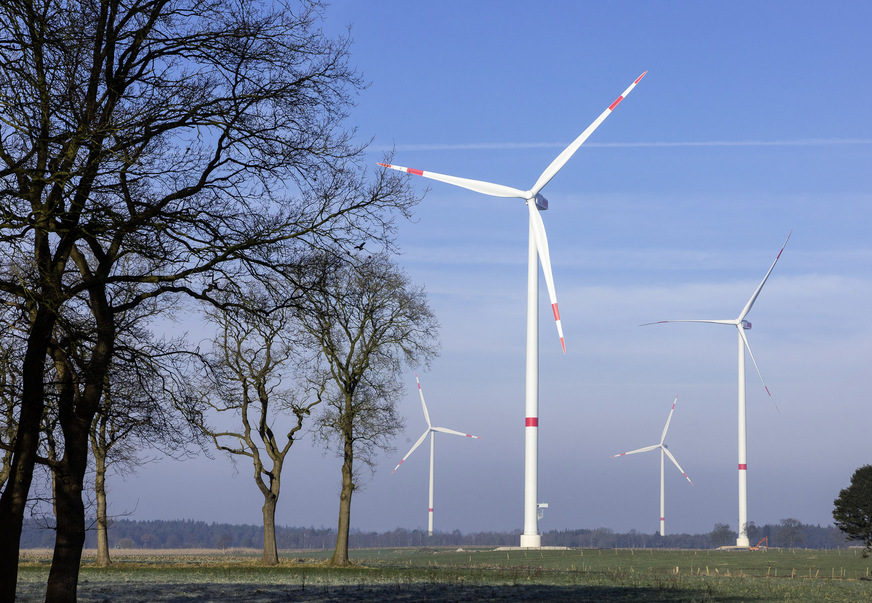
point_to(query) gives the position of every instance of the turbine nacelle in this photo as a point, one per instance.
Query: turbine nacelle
(541, 202)
(746, 325)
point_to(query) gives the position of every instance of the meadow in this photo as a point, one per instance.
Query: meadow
(474, 574)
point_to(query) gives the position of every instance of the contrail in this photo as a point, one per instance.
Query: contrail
(560, 145)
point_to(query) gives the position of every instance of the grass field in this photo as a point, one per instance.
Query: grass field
(480, 574)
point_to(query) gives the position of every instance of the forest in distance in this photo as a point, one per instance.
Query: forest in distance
(183, 534)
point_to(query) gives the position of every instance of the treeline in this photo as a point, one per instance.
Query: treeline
(182, 534)
(791, 535)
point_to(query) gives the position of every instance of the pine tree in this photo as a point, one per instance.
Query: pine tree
(853, 508)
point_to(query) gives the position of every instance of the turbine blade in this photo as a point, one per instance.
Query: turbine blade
(418, 443)
(663, 435)
(424, 404)
(561, 159)
(751, 301)
(748, 347)
(645, 449)
(479, 186)
(672, 458)
(715, 322)
(452, 432)
(541, 239)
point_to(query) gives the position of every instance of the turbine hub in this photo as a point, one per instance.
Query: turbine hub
(746, 325)
(541, 202)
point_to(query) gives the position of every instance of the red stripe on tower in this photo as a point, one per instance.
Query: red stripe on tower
(532, 422)
(430, 509)
(743, 467)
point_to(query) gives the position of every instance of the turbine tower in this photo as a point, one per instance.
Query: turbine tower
(664, 452)
(537, 251)
(742, 325)
(431, 431)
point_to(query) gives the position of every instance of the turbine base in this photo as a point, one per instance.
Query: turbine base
(531, 541)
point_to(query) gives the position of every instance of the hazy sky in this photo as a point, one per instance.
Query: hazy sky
(754, 119)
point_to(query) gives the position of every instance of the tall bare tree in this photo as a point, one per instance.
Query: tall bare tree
(157, 142)
(141, 410)
(365, 321)
(250, 386)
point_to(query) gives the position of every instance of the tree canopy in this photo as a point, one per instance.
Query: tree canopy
(363, 320)
(853, 508)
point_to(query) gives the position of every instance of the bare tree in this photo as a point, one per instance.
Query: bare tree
(721, 534)
(249, 380)
(138, 413)
(790, 534)
(157, 142)
(365, 321)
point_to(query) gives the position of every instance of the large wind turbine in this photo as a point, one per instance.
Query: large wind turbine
(741, 326)
(664, 451)
(537, 248)
(431, 431)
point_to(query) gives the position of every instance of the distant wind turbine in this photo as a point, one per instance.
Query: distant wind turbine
(664, 451)
(537, 251)
(741, 326)
(431, 431)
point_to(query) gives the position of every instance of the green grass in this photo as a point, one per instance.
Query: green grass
(477, 574)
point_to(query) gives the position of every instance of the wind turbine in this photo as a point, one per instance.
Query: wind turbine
(537, 251)
(741, 326)
(664, 451)
(431, 431)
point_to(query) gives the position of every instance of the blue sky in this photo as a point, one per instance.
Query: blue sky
(753, 120)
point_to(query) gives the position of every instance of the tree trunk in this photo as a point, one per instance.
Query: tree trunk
(76, 411)
(12, 504)
(103, 559)
(340, 553)
(270, 551)
(14, 498)
(63, 577)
